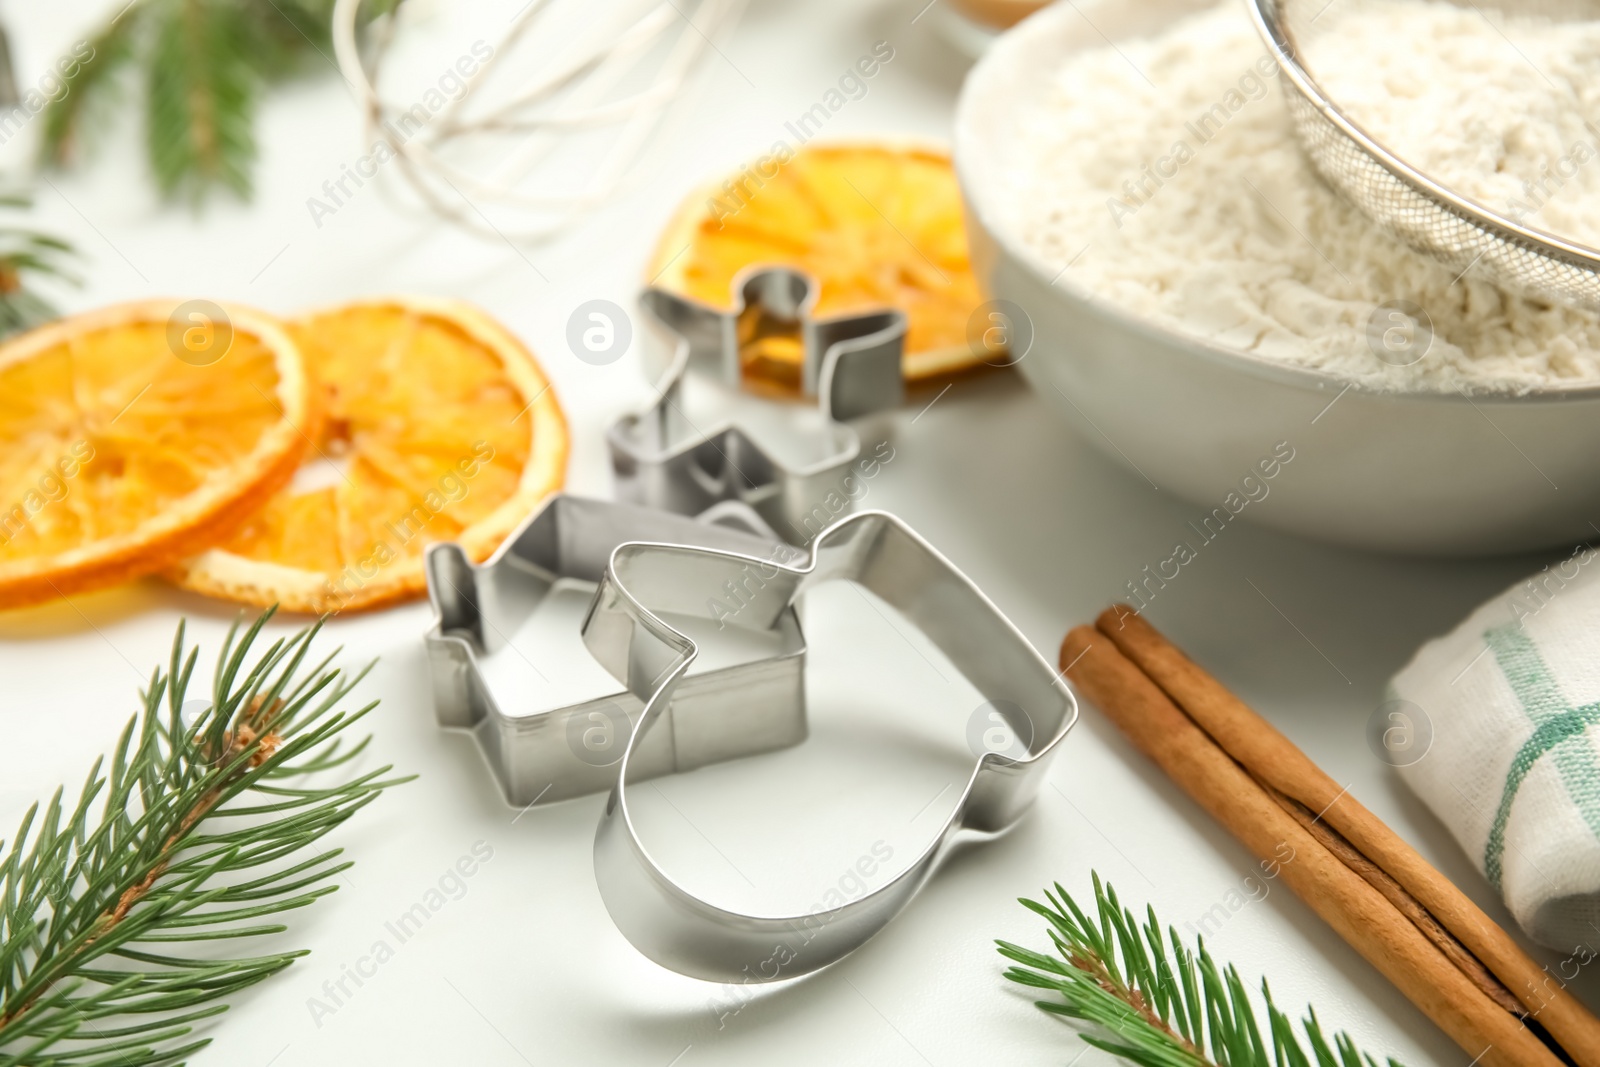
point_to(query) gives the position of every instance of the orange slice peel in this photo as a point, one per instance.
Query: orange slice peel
(877, 225)
(439, 426)
(120, 453)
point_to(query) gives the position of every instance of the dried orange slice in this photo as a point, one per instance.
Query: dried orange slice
(877, 225)
(439, 427)
(118, 454)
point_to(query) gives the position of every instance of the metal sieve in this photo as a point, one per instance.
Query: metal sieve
(1422, 213)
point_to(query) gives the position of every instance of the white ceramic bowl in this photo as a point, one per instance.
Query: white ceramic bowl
(1393, 471)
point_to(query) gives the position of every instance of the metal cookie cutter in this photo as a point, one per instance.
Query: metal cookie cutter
(850, 364)
(549, 746)
(878, 551)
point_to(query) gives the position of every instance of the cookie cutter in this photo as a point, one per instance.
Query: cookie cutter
(850, 364)
(626, 633)
(542, 752)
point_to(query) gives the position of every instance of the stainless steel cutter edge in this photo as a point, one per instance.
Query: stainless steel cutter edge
(569, 536)
(852, 365)
(875, 549)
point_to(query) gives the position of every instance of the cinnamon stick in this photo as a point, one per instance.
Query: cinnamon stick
(1271, 757)
(1404, 903)
(1355, 909)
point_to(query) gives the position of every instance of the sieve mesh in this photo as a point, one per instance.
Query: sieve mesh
(1422, 213)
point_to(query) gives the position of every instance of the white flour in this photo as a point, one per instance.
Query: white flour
(1167, 174)
(1516, 92)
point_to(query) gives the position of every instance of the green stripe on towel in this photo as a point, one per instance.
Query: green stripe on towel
(1555, 722)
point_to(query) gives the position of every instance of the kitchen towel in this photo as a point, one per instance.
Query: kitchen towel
(1496, 726)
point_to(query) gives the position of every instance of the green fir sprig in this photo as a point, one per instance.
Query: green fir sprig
(119, 911)
(1159, 1004)
(204, 64)
(26, 255)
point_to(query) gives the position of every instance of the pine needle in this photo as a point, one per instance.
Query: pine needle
(1157, 1003)
(182, 837)
(202, 96)
(26, 255)
(204, 64)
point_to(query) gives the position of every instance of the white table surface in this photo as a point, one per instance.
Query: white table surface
(526, 966)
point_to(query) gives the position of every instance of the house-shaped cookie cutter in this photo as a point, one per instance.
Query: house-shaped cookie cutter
(541, 754)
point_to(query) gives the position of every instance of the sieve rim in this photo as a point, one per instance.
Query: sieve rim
(1017, 63)
(1270, 24)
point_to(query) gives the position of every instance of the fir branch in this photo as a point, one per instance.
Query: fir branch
(185, 835)
(89, 90)
(204, 65)
(26, 255)
(202, 95)
(1159, 1010)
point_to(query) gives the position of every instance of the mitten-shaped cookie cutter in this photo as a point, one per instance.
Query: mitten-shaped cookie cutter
(627, 634)
(541, 753)
(850, 365)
